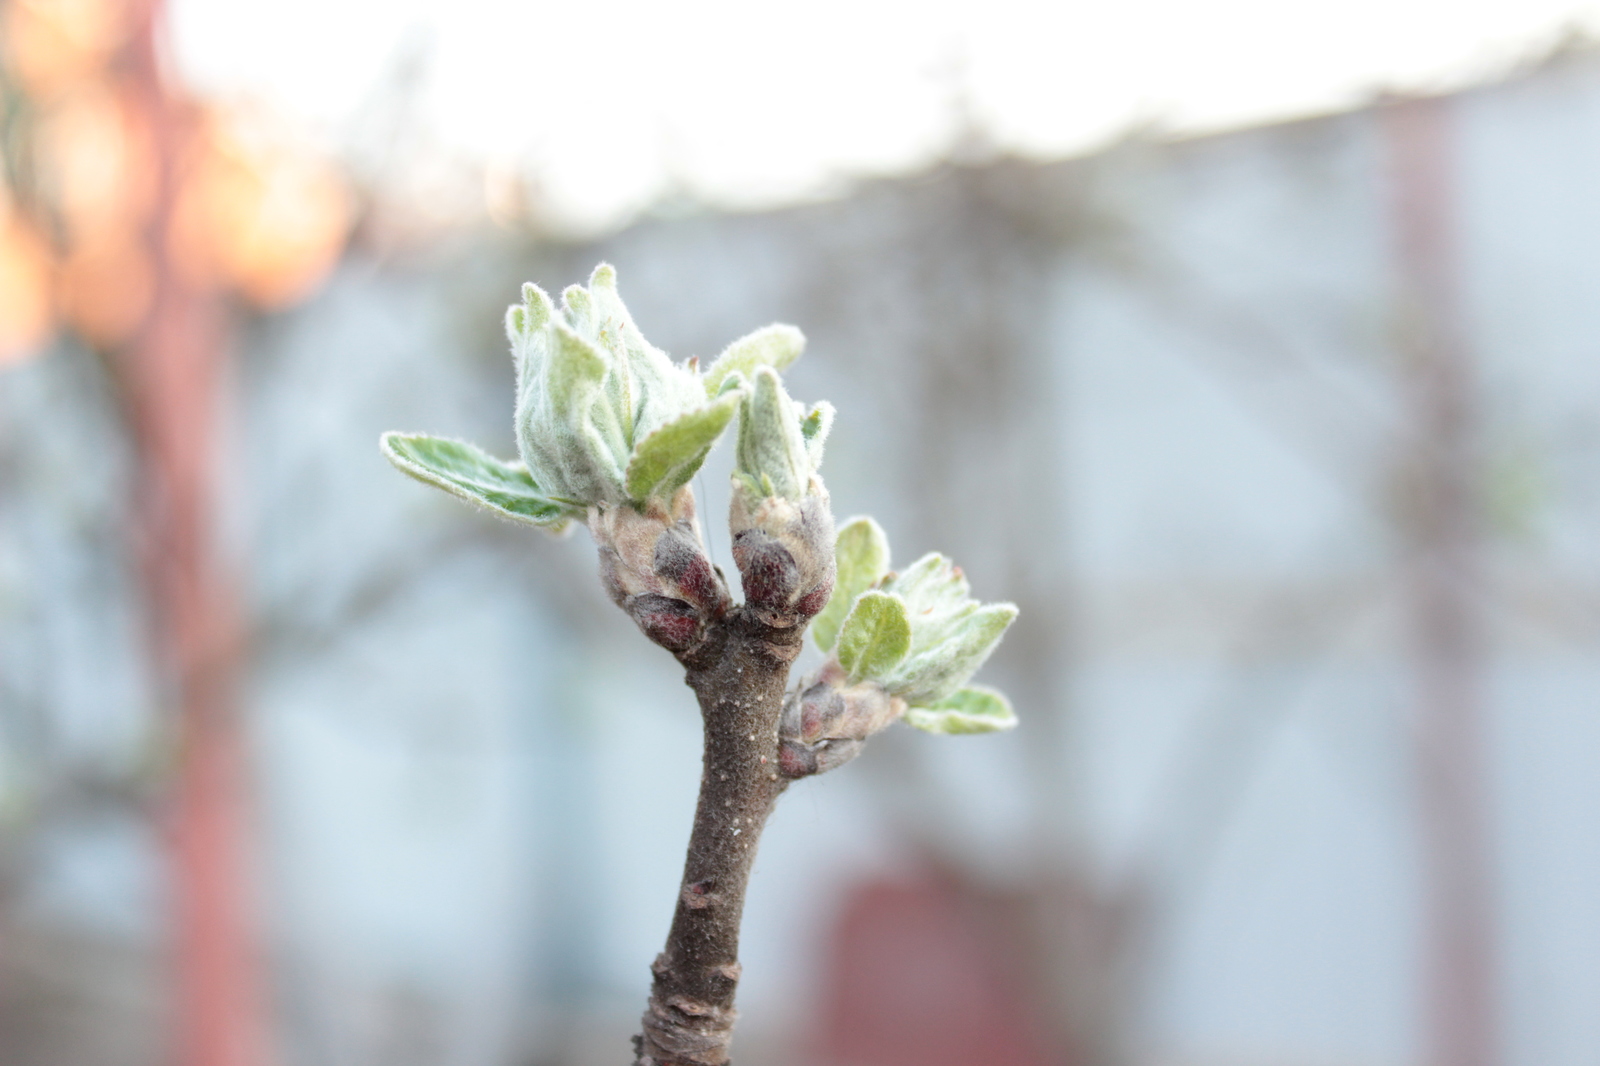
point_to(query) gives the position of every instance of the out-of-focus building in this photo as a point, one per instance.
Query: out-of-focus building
(1164, 397)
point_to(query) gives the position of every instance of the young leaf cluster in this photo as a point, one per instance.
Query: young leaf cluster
(610, 431)
(918, 635)
(780, 443)
(603, 417)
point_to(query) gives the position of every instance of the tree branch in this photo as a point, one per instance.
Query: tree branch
(739, 673)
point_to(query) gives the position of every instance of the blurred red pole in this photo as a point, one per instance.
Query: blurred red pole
(1443, 510)
(170, 374)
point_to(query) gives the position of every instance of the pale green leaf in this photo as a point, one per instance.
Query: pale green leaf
(603, 278)
(577, 307)
(814, 430)
(670, 456)
(568, 436)
(936, 669)
(591, 390)
(614, 326)
(771, 449)
(575, 372)
(467, 471)
(938, 600)
(968, 710)
(932, 586)
(531, 315)
(645, 388)
(776, 346)
(861, 556)
(525, 324)
(875, 636)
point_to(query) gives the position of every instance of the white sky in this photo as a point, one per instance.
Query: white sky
(751, 103)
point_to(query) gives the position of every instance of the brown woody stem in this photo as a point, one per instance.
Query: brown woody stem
(739, 672)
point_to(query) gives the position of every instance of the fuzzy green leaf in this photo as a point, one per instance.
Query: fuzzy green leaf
(772, 452)
(776, 346)
(577, 306)
(531, 315)
(467, 471)
(591, 391)
(968, 710)
(938, 667)
(568, 436)
(861, 558)
(576, 370)
(814, 430)
(670, 456)
(933, 588)
(875, 637)
(525, 323)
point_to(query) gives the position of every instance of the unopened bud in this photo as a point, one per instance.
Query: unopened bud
(782, 527)
(803, 760)
(827, 722)
(784, 551)
(770, 574)
(673, 624)
(654, 566)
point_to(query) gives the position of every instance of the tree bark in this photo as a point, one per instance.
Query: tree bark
(739, 673)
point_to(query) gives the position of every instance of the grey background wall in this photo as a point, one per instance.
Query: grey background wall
(1156, 396)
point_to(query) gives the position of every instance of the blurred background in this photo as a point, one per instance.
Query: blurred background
(1252, 348)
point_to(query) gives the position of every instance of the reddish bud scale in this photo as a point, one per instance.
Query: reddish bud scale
(803, 760)
(826, 723)
(673, 624)
(784, 551)
(654, 566)
(768, 570)
(820, 707)
(681, 562)
(703, 585)
(796, 760)
(812, 603)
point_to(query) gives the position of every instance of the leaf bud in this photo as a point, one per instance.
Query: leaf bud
(913, 638)
(779, 516)
(602, 415)
(827, 722)
(784, 552)
(654, 566)
(919, 634)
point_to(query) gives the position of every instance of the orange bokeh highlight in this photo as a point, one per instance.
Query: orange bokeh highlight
(26, 319)
(257, 213)
(252, 210)
(96, 156)
(105, 286)
(53, 45)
